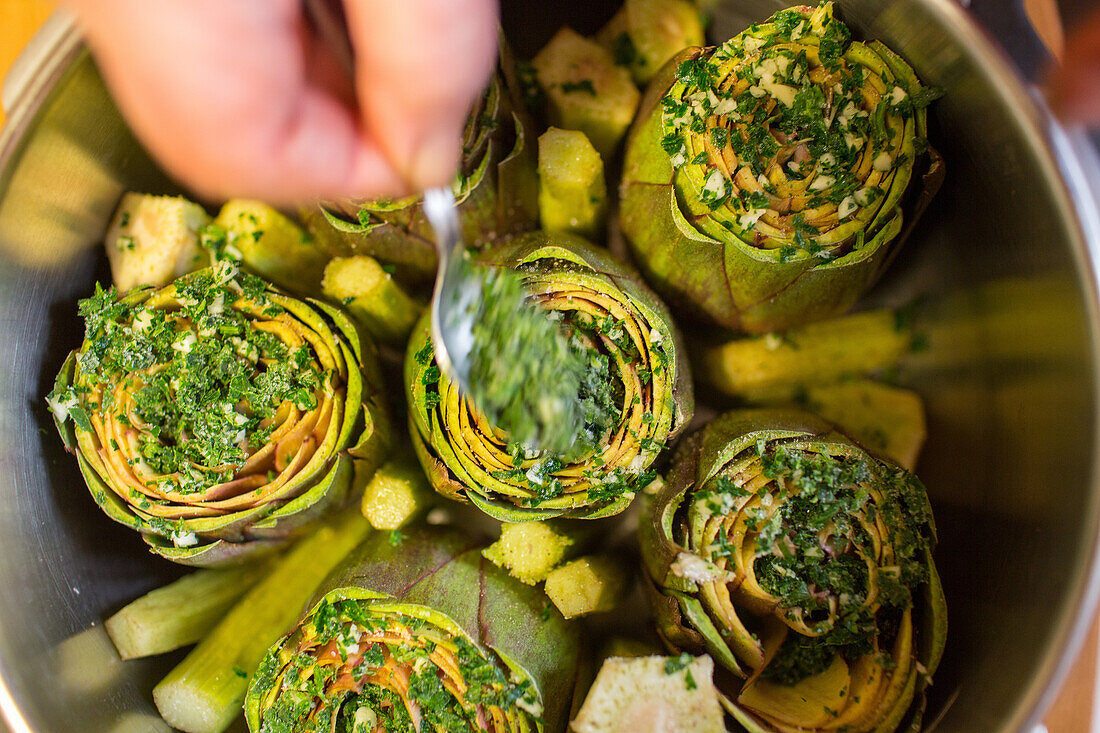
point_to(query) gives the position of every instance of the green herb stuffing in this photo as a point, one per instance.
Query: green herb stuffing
(802, 123)
(529, 378)
(368, 649)
(812, 549)
(201, 380)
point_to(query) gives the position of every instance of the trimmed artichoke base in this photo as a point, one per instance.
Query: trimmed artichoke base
(765, 179)
(820, 590)
(360, 665)
(637, 377)
(120, 403)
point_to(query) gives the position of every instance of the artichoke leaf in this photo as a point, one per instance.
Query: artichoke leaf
(433, 585)
(640, 373)
(809, 704)
(215, 508)
(800, 538)
(795, 233)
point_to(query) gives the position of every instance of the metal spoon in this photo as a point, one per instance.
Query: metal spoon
(455, 286)
(457, 290)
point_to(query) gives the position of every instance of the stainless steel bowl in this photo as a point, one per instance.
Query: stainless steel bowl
(1007, 259)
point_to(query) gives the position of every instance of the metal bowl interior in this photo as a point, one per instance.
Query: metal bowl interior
(1001, 261)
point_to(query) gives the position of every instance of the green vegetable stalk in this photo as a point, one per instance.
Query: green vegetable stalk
(218, 416)
(204, 692)
(372, 297)
(572, 187)
(182, 612)
(421, 634)
(768, 181)
(644, 34)
(803, 565)
(589, 584)
(584, 90)
(886, 420)
(397, 493)
(529, 551)
(636, 395)
(268, 244)
(780, 365)
(496, 190)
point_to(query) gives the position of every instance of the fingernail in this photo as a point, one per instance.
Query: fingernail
(435, 161)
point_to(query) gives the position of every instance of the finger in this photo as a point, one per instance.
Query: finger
(1074, 87)
(318, 151)
(420, 65)
(261, 116)
(325, 70)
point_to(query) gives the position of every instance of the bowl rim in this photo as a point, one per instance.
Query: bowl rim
(1066, 156)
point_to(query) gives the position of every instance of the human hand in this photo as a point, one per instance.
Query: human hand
(1074, 86)
(238, 98)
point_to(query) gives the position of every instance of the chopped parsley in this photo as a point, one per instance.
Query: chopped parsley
(682, 663)
(592, 360)
(525, 374)
(792, 112)
(814, 553)
(675, 664)
(624, 51)
(195, 375)
(306, 703)
(698, 72)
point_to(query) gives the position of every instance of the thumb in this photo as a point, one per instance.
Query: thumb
(420, 65)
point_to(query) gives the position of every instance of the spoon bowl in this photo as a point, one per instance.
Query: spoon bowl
(457, 290)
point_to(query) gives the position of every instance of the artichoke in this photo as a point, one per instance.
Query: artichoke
(803, 565)
(496, 190)
(637, 393)
(767, 181)
(422, 634)
(216, 415)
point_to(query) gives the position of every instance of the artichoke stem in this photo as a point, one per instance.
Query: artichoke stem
(887, 420)
(397, 493)
(371, 294)
(180, 613)
(644, 34)
(205, 692)
(529, 551)
(588, 585)
(572, 188)
(652, 693)
(272, 245)
(781, 365)
(154, 239)
(585, 90)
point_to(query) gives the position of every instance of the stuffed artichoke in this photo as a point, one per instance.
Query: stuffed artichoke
(424, 634)
(803, 565)
(496, 191)
(636, 395)
(767, 181)
(218, 416)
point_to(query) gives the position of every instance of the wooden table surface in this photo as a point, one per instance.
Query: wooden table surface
(1073, 710)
